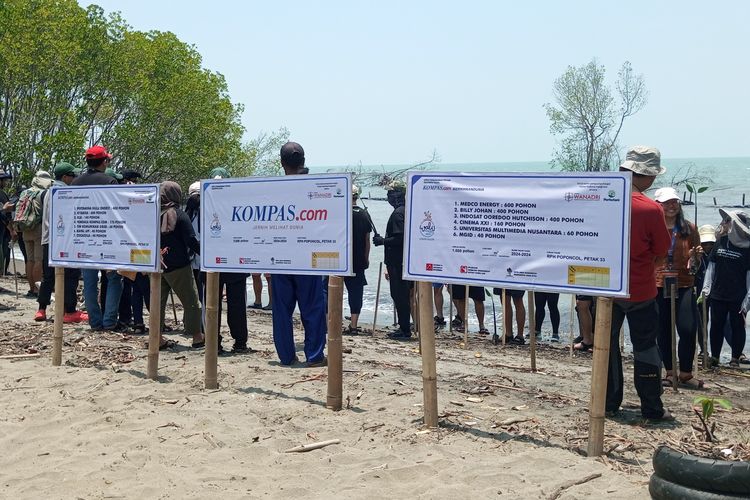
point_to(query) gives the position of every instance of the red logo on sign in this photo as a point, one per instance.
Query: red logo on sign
(463, 269)
(218, 260)
(428, 267)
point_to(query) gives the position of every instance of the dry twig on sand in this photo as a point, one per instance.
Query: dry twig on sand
(555, 494)
(312, 446)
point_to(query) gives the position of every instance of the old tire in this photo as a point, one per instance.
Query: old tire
(661, 489)
(705, 474)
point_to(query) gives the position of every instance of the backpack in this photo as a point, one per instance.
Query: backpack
(29, 209)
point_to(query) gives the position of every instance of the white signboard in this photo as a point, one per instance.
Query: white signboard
(105, 227)
(554, 232)
(297, 224)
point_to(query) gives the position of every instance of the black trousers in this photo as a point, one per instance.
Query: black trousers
(550, 300)
(48, 284)
(125, 312)
(400, 295)
(236, 288)
(721, 312)
(686, 315)
(643, 320)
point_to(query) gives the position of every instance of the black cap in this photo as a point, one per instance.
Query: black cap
(292, 155)
(5, 175)
(130, 175)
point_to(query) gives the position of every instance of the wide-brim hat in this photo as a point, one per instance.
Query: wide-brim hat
(707, 233)
(740, 219)
(644, 160)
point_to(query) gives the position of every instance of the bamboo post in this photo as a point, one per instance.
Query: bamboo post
(212, 331)
(154, 325)
(174, 308)
(57, 335)
(335, 363)
(532, 329)
(377, 299)
(572, 312)
(429, 370)
(705, 333)
(466, 316)
(418, 320)
(599, 368)
(505, 314)
(673, 309)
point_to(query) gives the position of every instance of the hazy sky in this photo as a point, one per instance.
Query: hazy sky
(389, 81)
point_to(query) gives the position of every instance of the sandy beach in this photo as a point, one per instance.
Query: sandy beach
(97, 428)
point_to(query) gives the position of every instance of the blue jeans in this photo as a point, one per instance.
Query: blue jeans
(91, 297)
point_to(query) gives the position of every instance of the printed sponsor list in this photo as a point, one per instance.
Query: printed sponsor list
(105, 227)
(525, 231)
(293, 225)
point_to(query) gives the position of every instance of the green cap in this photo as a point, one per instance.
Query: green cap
(219, 173)
(396, 186)
(65, 168)
(111, 172)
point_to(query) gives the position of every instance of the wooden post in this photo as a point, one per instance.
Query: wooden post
(154, 325)
(572, 312)
(429, 370)
(335, 363)
(532, 329)
(505, 313)
(57, 335)
(599, 368)
(377, 299)
(212, 331)
(705, 333)
(673, 309)
(450, 306)
(466, 316)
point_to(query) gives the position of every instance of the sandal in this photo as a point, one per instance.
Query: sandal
(518, 341)
(168, 344)
(583, 347)
(691, 383)
(665, 417)
(743, 360)
(484, 331)
(351, 330)
(667, 381)
(256, 305)
(734, 363)
(578, 339)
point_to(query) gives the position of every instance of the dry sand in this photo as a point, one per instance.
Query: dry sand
(97, 428)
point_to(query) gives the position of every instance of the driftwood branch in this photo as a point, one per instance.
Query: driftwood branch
(555, 494)
(312, 446)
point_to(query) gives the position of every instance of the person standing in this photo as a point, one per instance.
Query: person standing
(394, 257)
(683, 258)
(28, 219)
(548, 299)
(64, 173)
(707, 234)
(476, 294)
(726, 285)
(290, 290)
(513, 299)
(355, 285)
(649, 240)
(7, 233)
(177, 240)
(235, 285)
(97, 161)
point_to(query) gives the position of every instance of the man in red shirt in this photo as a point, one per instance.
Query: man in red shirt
(649, 239)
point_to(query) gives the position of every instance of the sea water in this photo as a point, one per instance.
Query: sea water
(726, 179)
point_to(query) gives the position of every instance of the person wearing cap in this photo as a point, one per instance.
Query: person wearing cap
(355, 285)
(193, 211)
(235, 285)
(64, 174)
(116, 176)
(97, 161)
(290, 290)
(727, 284)
(130, 176)
(394, 257)
(707, 234)
(678, 269)
(649, 240)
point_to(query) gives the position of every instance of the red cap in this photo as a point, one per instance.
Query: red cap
(96, 152)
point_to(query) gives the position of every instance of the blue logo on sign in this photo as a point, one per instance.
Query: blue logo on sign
(427, 227)
(215, 226)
